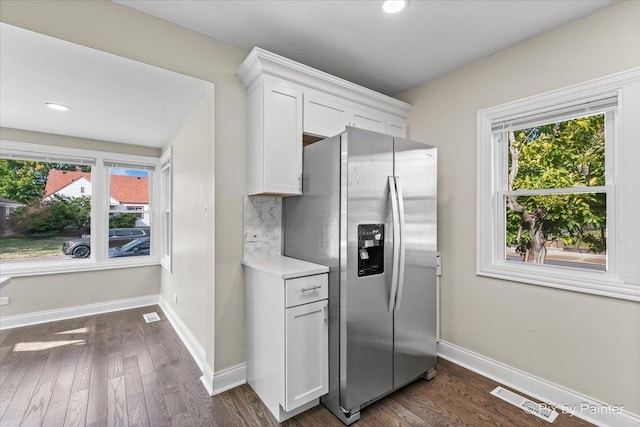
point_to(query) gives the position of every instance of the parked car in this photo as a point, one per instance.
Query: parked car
(81, 248)
(141, 246)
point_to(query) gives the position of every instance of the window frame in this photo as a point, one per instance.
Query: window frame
(492, 160)
(99, 259)
(166, 208)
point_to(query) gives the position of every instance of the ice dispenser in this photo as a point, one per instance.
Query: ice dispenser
(370, 249)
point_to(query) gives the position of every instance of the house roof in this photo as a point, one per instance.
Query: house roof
(124, 188)
(5, 201)
(58, 179)
(130, 189)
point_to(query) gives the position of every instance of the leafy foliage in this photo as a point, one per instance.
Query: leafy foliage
(43, 218)
(559, 155)
(25, 180)
(124, 220)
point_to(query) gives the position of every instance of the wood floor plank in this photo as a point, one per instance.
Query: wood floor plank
(82, 378)
(137, 412)
(132, 377)
(38, 405)
(117, 403)
(175, 403)
(22, 392)
(77, 409)
(158, 412)
(66, 375)
(52, 367)
(98, 388)
(114, 366)
(183, 419)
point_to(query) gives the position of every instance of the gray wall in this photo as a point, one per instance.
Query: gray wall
(587, 343)
(191, 278)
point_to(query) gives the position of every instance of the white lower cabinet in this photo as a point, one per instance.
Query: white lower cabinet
(287, 335)
(306, 354)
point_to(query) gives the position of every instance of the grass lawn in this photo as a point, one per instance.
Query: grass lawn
(22, 248)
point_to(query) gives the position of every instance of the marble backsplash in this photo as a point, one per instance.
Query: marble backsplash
(263, 215)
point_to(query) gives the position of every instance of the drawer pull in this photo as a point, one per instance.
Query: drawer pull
(312, 288)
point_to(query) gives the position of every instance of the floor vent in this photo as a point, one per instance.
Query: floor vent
(541, 411)
(151, 317)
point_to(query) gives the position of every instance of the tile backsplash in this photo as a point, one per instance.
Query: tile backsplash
(262, 215)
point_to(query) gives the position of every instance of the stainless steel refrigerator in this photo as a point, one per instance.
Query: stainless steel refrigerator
(368, 211)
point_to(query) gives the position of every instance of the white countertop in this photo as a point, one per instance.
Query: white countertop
(284, 267)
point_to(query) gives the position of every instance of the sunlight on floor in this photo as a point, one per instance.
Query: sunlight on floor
(45, 345)
(74, 331)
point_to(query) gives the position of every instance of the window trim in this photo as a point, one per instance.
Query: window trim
(489, 164)
(99, 209)
(166, 206)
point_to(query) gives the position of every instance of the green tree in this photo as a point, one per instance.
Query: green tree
(25, 180)
(41, 218)
(124, 220)
(560, 155)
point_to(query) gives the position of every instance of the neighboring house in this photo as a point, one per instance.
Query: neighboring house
(127, 193)
(7, 206)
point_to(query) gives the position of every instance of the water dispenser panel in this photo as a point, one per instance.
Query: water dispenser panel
(370, 249)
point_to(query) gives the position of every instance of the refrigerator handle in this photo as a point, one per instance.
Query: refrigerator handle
(393, 195)
(401, 262)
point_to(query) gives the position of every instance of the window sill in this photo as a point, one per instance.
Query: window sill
(70, 266)
(549, 278)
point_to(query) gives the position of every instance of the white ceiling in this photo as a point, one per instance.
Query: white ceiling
(357, 41)
(111, 98)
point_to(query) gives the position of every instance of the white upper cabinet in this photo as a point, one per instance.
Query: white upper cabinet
(274, 152)
(287, 99)
(323, 117)
(397, 126)
(368, 120)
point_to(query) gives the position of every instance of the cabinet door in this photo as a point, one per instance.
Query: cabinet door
(397, 126)
(282, 139)
(323, 117)
(306, 354)
(368, 120)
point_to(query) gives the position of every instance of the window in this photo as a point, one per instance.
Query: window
(128, 184)
(166, 190)
(53, 216)
(72, 210)
(551, 173)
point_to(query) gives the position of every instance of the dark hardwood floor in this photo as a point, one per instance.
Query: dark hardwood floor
(116, 370)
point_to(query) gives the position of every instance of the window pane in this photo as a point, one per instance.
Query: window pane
(130, 214)
(45, 211)
(558, 155)
(565, 230)
(126, 239)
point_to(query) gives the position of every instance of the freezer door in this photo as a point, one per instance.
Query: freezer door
(366, 324)
(415, 310)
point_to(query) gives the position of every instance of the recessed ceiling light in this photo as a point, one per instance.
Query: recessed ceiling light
(394, 6)
(57, 107)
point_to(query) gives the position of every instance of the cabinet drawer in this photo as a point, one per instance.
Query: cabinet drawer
(307, 289)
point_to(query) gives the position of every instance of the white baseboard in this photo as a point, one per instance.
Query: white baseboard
(229, 378)
(9, 322)
(214, 383)
(565, 400)
(197, 351)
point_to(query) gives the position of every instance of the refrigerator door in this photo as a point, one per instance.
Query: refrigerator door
(366, 324)
(415, 308)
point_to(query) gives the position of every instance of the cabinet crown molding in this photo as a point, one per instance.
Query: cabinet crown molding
(261, 62)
